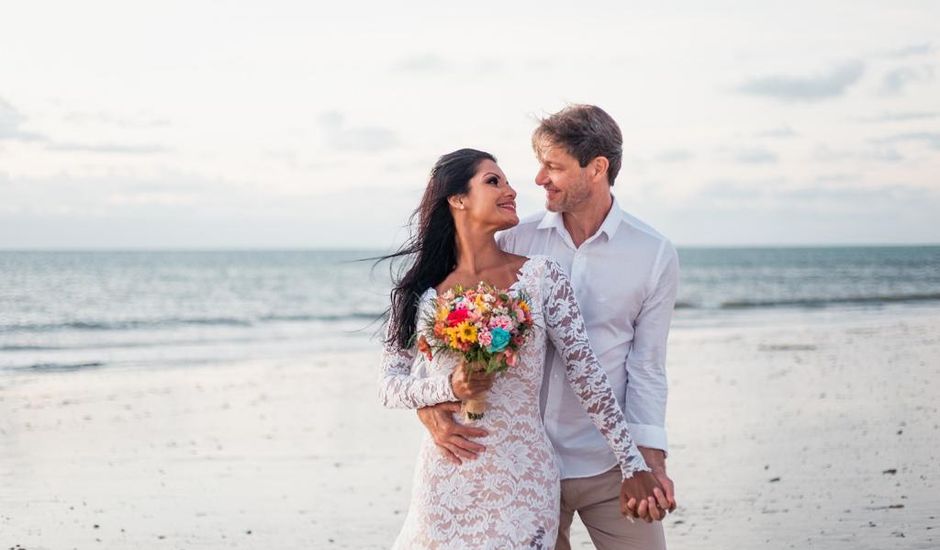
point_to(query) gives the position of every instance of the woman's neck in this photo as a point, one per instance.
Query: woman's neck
(477, 251)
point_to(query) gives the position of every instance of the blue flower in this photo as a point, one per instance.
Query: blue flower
(501, 339)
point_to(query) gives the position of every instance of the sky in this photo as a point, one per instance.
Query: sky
(288, 124)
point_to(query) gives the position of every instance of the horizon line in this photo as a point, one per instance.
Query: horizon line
(376, 249)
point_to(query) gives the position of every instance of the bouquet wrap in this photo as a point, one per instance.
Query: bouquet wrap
(475, 407)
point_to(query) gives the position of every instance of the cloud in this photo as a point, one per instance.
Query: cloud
(838, 178)
(188, 210)
(368, 139)
(91, 194)
(755, 156)
(778, 193)
(930, 139)
(882, 152)
(901, 117)
(733, 191)
(11, 129)
(832, 83)
(910, 51)
(107, 148)
(895, 80)
(781, 132)
(858, 197)
(127, 122)
(764, 211)
(424, 63)
(674, 155)
(11, 122)
(489, 65)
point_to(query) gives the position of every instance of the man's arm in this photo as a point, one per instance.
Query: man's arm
(646, 363)
(646, 367)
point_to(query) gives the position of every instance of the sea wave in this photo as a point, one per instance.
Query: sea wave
(368, 317)
(835, 301)
(58, 367)
(136, 324)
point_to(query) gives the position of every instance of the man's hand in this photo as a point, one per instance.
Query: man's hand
(656, 460)
(449, 436)
(638, 497)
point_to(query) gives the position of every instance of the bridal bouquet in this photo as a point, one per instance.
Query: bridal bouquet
(484, 326)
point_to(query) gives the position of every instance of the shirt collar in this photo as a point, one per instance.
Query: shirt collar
(612, 221)
(554, 220)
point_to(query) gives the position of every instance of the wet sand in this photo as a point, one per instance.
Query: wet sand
(820, 432)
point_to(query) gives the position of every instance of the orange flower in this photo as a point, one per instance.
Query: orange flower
(424, 347)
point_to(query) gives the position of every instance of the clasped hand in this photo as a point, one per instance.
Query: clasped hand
(643, 496)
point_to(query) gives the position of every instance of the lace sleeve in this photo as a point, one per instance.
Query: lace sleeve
(565, 328)
(398, 388)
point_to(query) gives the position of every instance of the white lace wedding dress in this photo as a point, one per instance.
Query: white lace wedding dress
(509, 496)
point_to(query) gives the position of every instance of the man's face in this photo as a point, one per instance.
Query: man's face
(564, 180)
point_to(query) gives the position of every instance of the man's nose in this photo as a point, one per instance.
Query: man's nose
(541, 178)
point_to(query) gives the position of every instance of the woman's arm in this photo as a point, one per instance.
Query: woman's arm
(565, 328)
(399, 389)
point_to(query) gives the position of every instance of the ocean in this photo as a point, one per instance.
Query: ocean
(76, 310)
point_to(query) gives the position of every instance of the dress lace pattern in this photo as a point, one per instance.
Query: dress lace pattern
(509, 496)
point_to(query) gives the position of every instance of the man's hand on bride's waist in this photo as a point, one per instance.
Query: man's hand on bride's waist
(451, 437)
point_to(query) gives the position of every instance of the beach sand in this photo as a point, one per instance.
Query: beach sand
(789, 434)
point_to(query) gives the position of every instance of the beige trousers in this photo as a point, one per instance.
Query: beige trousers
(597, 501)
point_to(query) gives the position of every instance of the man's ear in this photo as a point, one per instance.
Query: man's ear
(599, 166)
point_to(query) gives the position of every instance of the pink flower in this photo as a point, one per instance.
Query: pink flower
(501, 321)
(485, 338)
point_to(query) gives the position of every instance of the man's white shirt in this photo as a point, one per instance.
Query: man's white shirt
(625, 278)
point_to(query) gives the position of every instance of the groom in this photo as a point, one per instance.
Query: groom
(625, 276)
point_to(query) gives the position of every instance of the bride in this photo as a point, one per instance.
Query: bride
(509, 496)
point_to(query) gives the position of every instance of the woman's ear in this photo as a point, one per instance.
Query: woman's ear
(456, 201)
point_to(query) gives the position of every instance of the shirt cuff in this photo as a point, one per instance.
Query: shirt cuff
(650, 436)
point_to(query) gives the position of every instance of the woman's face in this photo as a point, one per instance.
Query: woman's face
(491, 201)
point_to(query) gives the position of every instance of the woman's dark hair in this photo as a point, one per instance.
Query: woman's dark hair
(433, 242)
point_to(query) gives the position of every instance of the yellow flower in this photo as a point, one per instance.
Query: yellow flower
(442, 313)
(467, 332)
(451, 333)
